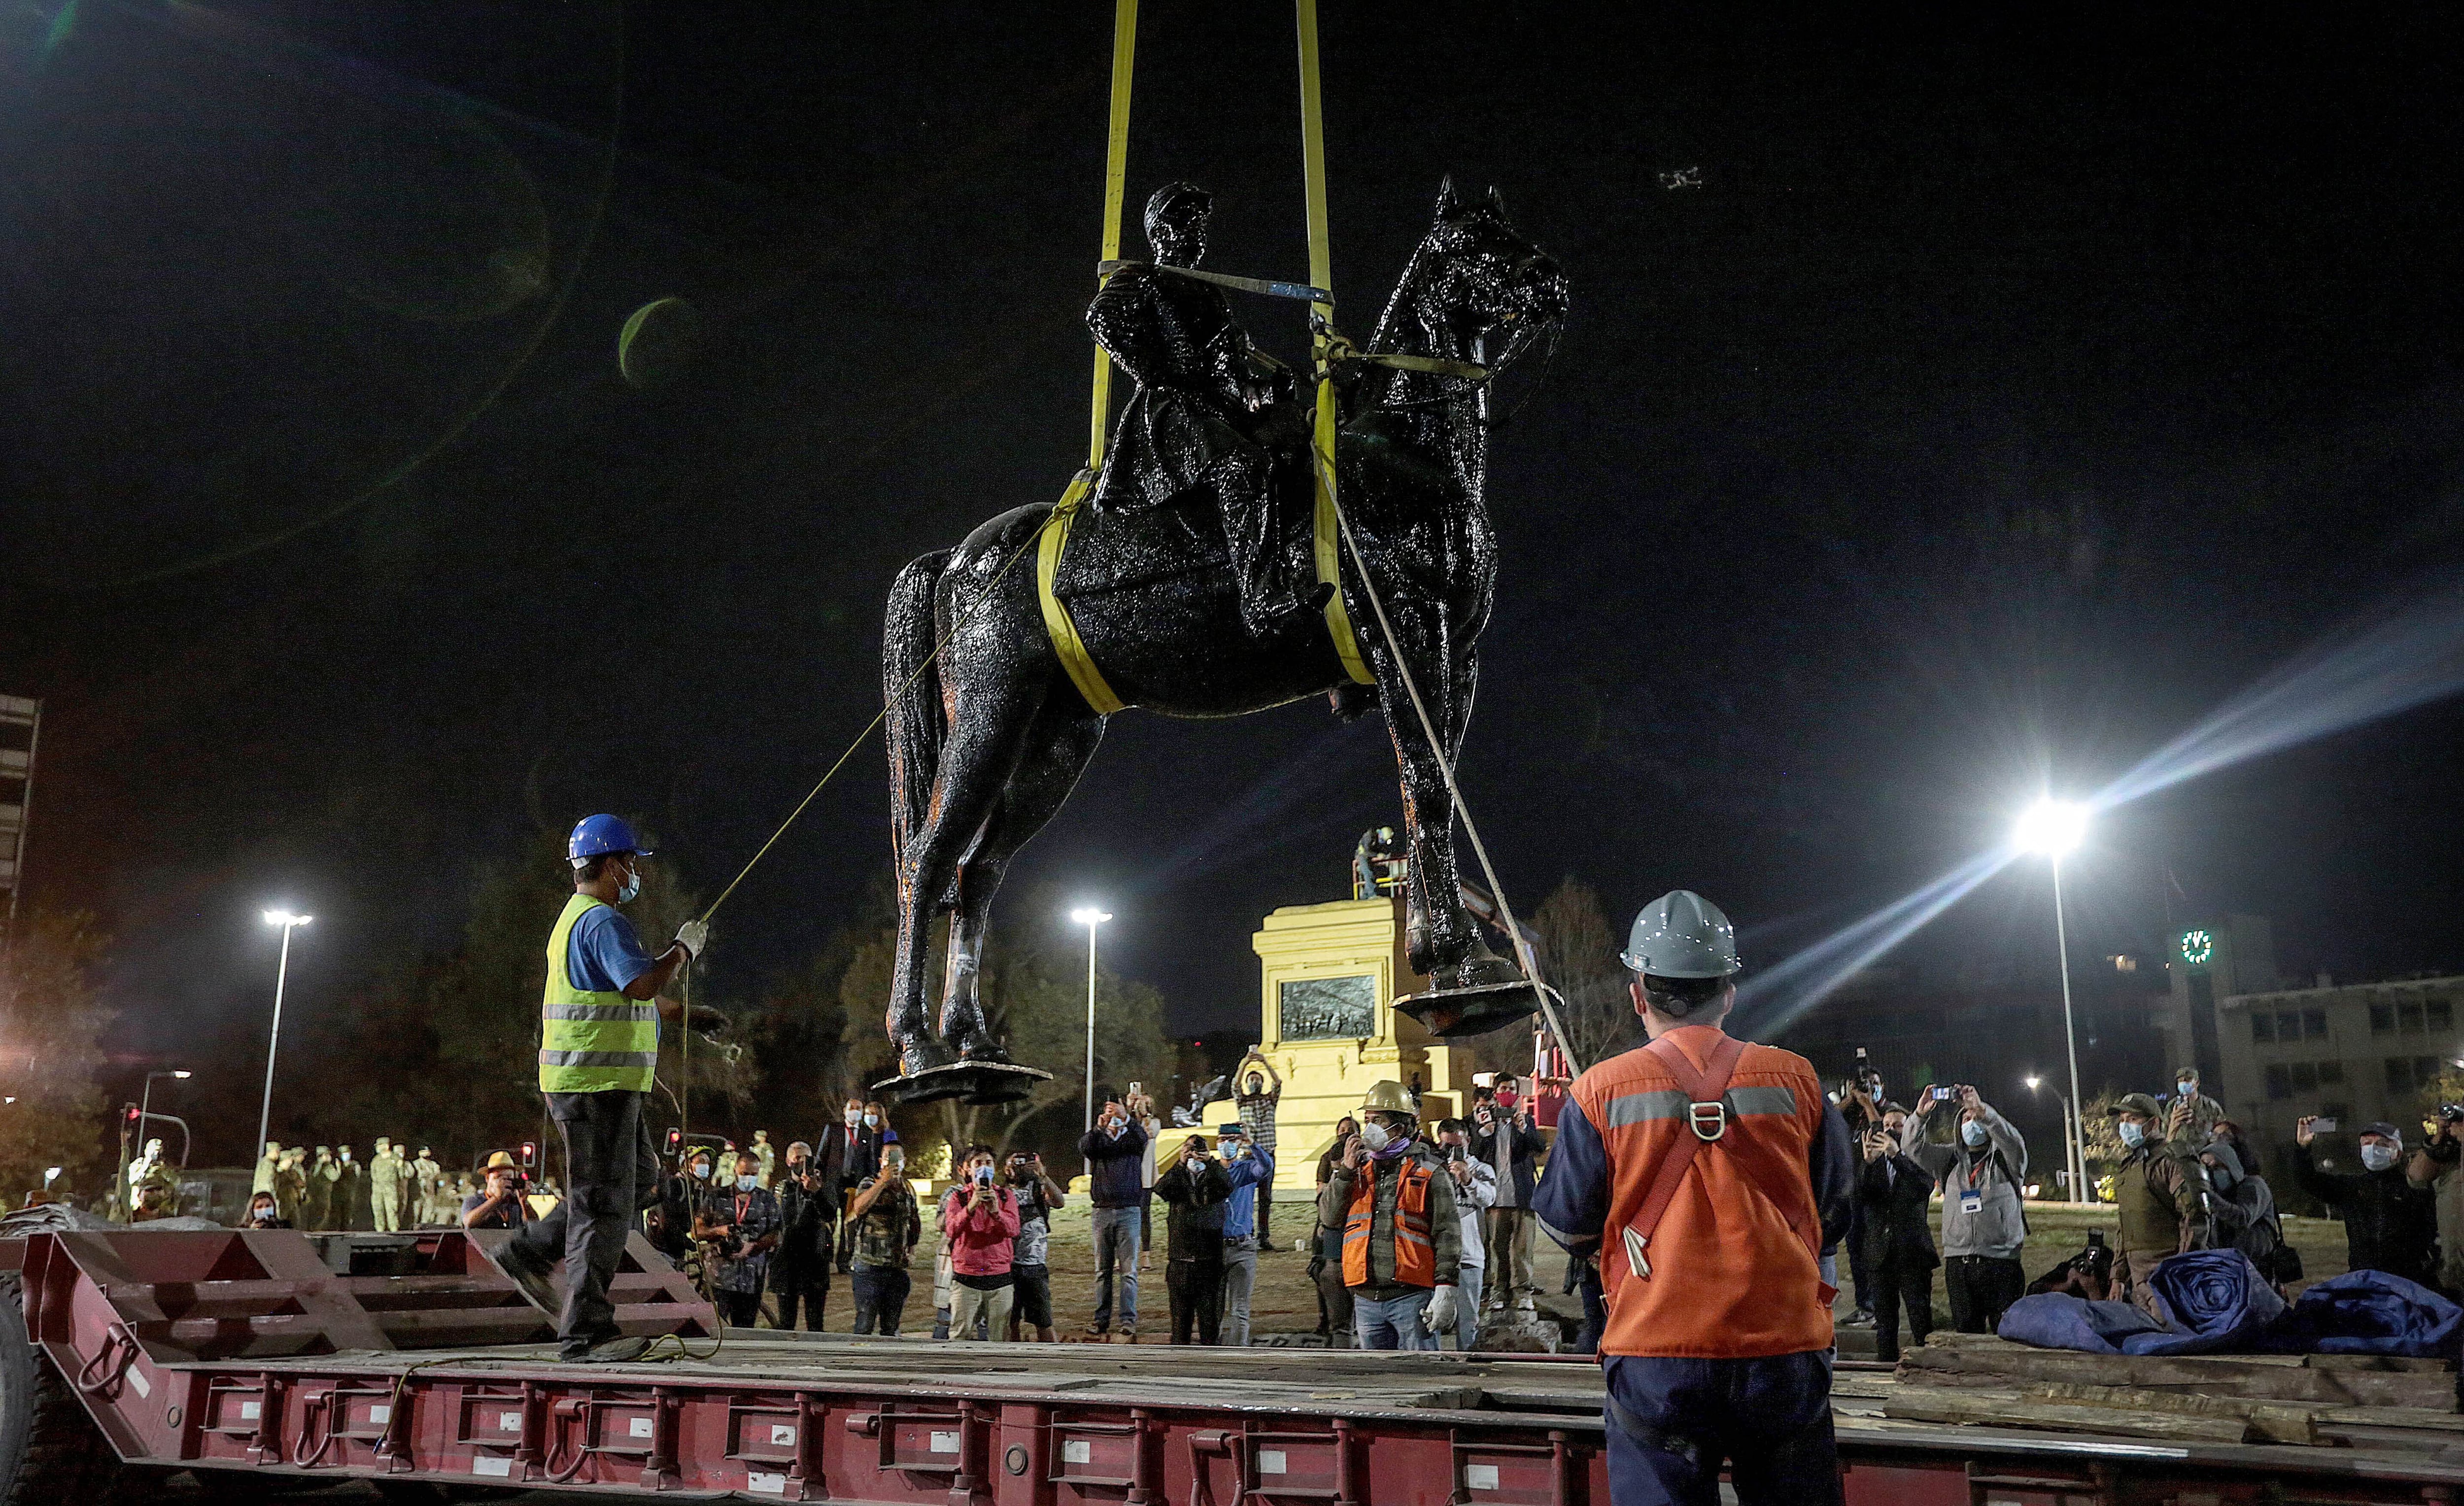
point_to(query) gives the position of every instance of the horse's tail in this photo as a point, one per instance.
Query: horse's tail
(911, 691)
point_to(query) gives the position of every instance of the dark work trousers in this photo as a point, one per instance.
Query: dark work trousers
(1981, 1289)
(1861, 1271)
(611, 1173)
(880, 1298)
(1266, 1215)
(738, 1309)
(1894, 1285)
(806, 1281)
(1196, 1287)
(1671, 1422)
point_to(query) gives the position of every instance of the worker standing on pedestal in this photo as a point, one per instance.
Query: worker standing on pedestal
(1703, 1175)
(599, 1053)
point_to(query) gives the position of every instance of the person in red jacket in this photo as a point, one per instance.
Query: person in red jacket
(1703, 1176)
(980, 1218)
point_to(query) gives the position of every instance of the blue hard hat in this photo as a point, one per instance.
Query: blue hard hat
(594, 836)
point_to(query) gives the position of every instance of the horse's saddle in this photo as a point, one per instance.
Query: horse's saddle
(1119, 550)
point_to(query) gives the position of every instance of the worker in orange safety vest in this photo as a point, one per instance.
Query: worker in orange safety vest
(1402, 1238)
(1704, 1177)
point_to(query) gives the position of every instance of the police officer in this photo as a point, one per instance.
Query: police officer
(599, 1050)
(1703, 1176)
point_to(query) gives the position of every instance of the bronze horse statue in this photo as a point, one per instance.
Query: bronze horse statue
(986, 743)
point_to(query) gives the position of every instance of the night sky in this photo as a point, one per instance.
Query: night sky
(1951, 404)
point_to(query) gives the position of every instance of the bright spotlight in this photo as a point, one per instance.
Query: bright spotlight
(2052, 828)
(2034, 1083)
(285, 917)
(183, 1076)
(1088, 914)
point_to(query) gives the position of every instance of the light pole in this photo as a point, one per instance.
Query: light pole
(2054, 828)
(2074, 1171)
(1089, 917)
(273, 1038)
(145, 1097)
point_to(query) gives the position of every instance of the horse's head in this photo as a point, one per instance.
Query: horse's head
(1499, 291)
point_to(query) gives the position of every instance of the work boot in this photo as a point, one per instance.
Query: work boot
(529, 1272)
(621, 1350)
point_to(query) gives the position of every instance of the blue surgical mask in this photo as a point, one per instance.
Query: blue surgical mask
(2186, 1089)
(631, 886)
(873, 1122)
(747, 1183)
(2378, 1158)
(2132, 1134)
(1972, 1132)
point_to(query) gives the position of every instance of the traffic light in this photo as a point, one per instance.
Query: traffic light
(530, 1155)
(128, 1114)
(675, 1141)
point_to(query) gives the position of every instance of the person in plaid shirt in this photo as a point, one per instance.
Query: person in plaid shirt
(1260, 1093)
(741, 1221)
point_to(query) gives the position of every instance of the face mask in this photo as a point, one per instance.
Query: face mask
(701, 1171)
(2378, 1158)
(853, 1115)
(894, 1169)
(2132, 1135)
(873, 1122)
(984, 1176)
(2221, 1179)
(346, 1158)
(631, 886)
(747, 1183)
(1373, 1135)
(1972, 1132)
(2186, 1089)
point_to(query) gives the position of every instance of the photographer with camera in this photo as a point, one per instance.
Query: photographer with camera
(1896, 1193)
(1475, 1188)
(1195, 1188)
(1115, 1149)
(501, 1204)
(2390, 1224)
(1983, 1222)
(1251, 1168)
(1030, 1275)
(1502, 1137)
(884, 1225)
(800, 1275)
(740, 1225)
(980, 1223)
(2433, 1168)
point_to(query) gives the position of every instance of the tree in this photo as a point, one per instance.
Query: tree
(52, 1029)
(1578, 955)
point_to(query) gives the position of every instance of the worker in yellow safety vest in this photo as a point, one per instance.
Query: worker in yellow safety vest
(599, 1052)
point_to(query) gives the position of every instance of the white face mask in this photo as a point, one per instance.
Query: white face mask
(2378, 1158)
(631, 886)
(873, 1122)
(1375, 1135)
(854, 1114)
(1972, 1132)
(2186, 1089)
(747, 1183)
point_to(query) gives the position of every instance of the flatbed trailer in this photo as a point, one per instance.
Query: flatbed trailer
(412, 1363)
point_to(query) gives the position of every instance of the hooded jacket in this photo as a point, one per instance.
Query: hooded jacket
(1993, 1171)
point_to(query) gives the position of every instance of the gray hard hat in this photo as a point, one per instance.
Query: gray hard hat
(1682, 935)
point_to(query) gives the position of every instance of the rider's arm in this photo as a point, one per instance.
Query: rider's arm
(1124, 321)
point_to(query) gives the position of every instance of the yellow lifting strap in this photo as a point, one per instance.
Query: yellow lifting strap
(1057, 621)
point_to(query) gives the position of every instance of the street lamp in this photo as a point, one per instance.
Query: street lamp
(2077, 1172)
(282, 972)
(2054, 828)
(145, 1099)
(1091, 918)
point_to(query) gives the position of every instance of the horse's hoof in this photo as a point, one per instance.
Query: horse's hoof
(988, 1051)
(1460, 1012)
(976, 1082)
(1484, 971)
(923, 1056)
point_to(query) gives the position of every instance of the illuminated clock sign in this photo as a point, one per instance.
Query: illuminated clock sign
(2197, 947)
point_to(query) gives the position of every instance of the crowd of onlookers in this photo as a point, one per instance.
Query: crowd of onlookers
(329, 1188)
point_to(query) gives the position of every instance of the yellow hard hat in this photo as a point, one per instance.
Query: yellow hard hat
(1388, 1098)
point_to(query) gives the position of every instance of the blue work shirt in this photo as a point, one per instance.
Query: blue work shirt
(1247, 1174)
(604, 953)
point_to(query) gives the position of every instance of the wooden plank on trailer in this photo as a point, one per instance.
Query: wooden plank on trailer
(1940, 1405)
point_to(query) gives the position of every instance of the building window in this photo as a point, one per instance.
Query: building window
(2338, 1112)
(2382, 1019)
(2399, 1073)
(2331, 1074)
(1328, 1008)
(2314, 1024)
(2262, 1026)
(2305, 1078)
(2288, 1026)
(2441, 1014)
(2280, 1080)
(2408, 1017)
(2425, 1070)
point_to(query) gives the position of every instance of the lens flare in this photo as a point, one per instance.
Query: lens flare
(1767, 1002)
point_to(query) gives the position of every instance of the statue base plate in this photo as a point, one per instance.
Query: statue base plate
(977, 1082)
(1452, 1014)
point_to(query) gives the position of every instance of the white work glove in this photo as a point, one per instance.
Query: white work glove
(1438, 1316)
(693, 936)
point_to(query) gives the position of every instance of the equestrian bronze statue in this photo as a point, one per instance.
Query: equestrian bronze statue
(1189, 584)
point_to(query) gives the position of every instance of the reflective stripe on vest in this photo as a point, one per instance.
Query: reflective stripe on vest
(591, 1042)
(1416, 1257)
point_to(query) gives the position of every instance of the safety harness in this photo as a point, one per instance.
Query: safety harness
(1706, 1115)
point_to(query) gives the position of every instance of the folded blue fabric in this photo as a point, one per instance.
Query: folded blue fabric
(2211, 1301)
(2058, 1320)
(2371, 1311)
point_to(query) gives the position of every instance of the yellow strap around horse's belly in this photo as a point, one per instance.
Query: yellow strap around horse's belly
(1057, 622)
(1072, 648)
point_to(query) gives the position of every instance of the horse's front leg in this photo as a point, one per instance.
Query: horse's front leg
(1437, 931)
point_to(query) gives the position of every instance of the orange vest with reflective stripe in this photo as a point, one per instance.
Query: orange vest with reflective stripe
(1416, 1257)
(1733, 1269)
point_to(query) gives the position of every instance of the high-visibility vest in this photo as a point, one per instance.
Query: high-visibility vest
(1733, 1274)
(592, 1042)
(1416, 1256)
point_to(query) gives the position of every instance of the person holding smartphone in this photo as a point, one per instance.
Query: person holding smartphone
(1984, 1222)
(1195, 1188)
(980, 1220)
(1895, 1192)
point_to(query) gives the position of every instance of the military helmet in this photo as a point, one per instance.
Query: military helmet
(1388, 1097)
